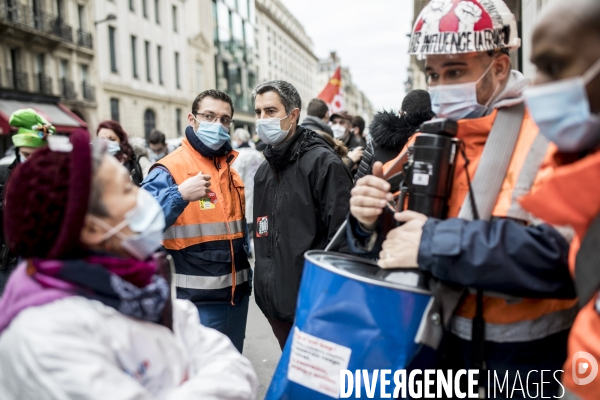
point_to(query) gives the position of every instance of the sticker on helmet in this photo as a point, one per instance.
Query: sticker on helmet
(463, 26)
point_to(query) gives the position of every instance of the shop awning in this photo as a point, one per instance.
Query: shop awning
(58, 115)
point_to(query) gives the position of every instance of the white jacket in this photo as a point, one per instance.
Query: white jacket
(77, 348)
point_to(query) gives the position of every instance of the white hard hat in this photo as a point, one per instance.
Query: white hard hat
(464, 26)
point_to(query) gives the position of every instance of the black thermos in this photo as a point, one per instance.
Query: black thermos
(431, 171)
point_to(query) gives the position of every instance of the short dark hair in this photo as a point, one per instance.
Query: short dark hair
(287, 94)
(359, 122)
(215, 94)
(317, 108)
(156, 137)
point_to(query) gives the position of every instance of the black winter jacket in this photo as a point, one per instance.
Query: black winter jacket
(301, 197)
(8, 260)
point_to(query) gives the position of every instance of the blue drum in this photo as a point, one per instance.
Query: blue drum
(351, 315)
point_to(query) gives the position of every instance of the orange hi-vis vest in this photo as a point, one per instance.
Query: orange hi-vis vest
(575, 196)
(220, 215)
(217, 217)
(505, 317)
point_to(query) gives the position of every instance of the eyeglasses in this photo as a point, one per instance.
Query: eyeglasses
(225, 121)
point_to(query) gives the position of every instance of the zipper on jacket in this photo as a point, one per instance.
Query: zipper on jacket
(272, 252)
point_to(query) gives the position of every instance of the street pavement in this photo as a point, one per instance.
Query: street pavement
(260, 346)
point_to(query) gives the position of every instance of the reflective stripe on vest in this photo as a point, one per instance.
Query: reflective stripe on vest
(211, 282)
(522, 331)
(530, 170)
(208, 229)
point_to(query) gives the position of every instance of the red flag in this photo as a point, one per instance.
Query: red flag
(332, 88)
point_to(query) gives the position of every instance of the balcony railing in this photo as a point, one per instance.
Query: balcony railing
(84, 39)
(62, 30)
(67, 89)
(89, 92)
(43, 84)
(17, 80)
(27, 16)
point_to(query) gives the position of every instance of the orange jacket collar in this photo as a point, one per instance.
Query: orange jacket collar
(570, 196)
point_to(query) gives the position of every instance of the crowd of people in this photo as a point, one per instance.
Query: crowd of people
(129, 265)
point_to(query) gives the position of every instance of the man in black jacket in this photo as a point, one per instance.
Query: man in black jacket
(317, 116)
(301, 197)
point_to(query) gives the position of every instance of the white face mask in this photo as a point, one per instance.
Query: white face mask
(269, 130)
(146, 219)
(459, 101)
(339, 131)
(22, 159)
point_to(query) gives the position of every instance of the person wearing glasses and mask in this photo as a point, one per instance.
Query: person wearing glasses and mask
(202, 198)
(301, 197)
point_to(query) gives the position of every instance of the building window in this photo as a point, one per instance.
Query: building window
(131, 6)
(145, 8)
(59, 7)
(134, 56)
(149, 122)
(178, 121)
(147, 48)
(81, 17)
(156, 11)
(114, 109)
(84, 74)
(177, 82)
(113, 51)
(199, 77)
(174, 11)
(63, 68)
(40, 64)
(159, 57)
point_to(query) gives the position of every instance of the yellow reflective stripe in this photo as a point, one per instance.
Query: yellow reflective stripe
(199, 230)
(210, 282)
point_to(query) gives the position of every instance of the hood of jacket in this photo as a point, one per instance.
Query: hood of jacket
(314, 123)
(391, 131)
(303, 140)
(512, 93)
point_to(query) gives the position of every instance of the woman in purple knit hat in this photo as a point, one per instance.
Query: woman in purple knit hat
(89, 313)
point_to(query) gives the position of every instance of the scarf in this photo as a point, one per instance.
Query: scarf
(129, 286)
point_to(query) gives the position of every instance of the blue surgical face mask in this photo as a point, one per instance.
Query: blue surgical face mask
(562, 112)
(212, 134)
(154, 157)
(459, 101)
(269, 130)
(112, 147)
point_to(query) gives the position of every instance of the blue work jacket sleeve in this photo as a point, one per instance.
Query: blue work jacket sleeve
(502, 256)
(161, 185)
(368, 244)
